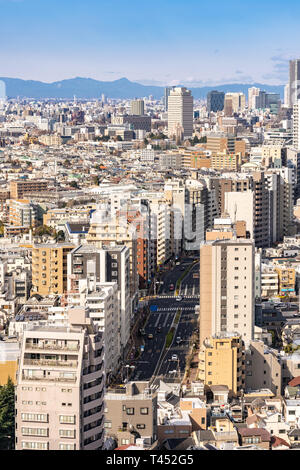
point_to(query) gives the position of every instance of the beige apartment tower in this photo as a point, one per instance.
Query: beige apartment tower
(227, 288)
(60, 386)
(222, 362)
(49, 268)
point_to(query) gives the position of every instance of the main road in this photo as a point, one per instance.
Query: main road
(154, 359)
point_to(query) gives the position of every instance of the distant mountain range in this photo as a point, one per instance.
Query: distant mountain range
(88, 88)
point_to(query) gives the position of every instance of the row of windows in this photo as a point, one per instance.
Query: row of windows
(45, 445)
(43, 418)
(130, 411)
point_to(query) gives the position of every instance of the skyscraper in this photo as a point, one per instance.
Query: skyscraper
(166, 97)
(294, 81)
(2, 91)
(252, 92)
(215, 101)
(180, 112)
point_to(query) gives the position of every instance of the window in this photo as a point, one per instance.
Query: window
(34, 432)
(107, 425)
(130, 411)
(64, 419)
(35, 445)
(141, 426)
(34, 417)
(144, 411)
(67, 446)
(67, 433)
(124, 441)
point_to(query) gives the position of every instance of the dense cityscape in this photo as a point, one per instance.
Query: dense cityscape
(150, 268)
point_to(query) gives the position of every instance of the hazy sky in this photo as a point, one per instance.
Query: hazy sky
(192, 42)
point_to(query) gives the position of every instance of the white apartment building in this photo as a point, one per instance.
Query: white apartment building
(60, 386)
(180, 112)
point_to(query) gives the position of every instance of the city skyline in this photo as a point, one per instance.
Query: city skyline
(99, 43)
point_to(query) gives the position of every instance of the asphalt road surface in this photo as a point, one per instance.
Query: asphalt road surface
(162, 319)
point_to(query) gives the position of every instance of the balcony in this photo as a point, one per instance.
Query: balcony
(48, 378)
(49, 362)
(52, 347)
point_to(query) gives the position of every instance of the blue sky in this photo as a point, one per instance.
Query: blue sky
(193, 42)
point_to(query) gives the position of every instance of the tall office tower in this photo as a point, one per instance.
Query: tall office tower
(238, 101)
(106, 265)
(60, 386)
(2, 92)
(215, 101)
(166, 96)
(260, 100)
(228, 106)
(252, 92)
(287, 95)
(294, 81)
(227, 288)
(296, 125)
(180, 112)
(137, 107)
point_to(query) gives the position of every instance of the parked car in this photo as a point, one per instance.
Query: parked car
(150, 336)
(174, 357)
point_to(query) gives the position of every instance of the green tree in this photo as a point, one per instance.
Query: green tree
(74, 184)
(7, 415)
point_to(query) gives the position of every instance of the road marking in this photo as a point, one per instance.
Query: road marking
(167, 316)
(157, 320)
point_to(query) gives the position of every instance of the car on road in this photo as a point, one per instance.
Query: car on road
(142, 331)
(178, 340)
(171, 287)
(150, 336)
(182, 268)
(179, 298)
(174, 357)
(158, 329)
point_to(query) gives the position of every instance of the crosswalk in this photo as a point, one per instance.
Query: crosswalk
(171, 309)
(196, 296)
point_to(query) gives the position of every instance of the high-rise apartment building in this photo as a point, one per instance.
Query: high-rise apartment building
(111, 264)
(180, 112)
(227, 289)
(106, 230)
(49, 268)
(222, 362)
(60, 386)
(215, 101)
(294, 81)
(137, 107)
(296, 125)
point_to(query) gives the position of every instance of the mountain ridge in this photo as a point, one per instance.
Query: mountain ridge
(89, 88)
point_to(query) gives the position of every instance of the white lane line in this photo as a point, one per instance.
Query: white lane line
(158, 319)
(167, 316)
